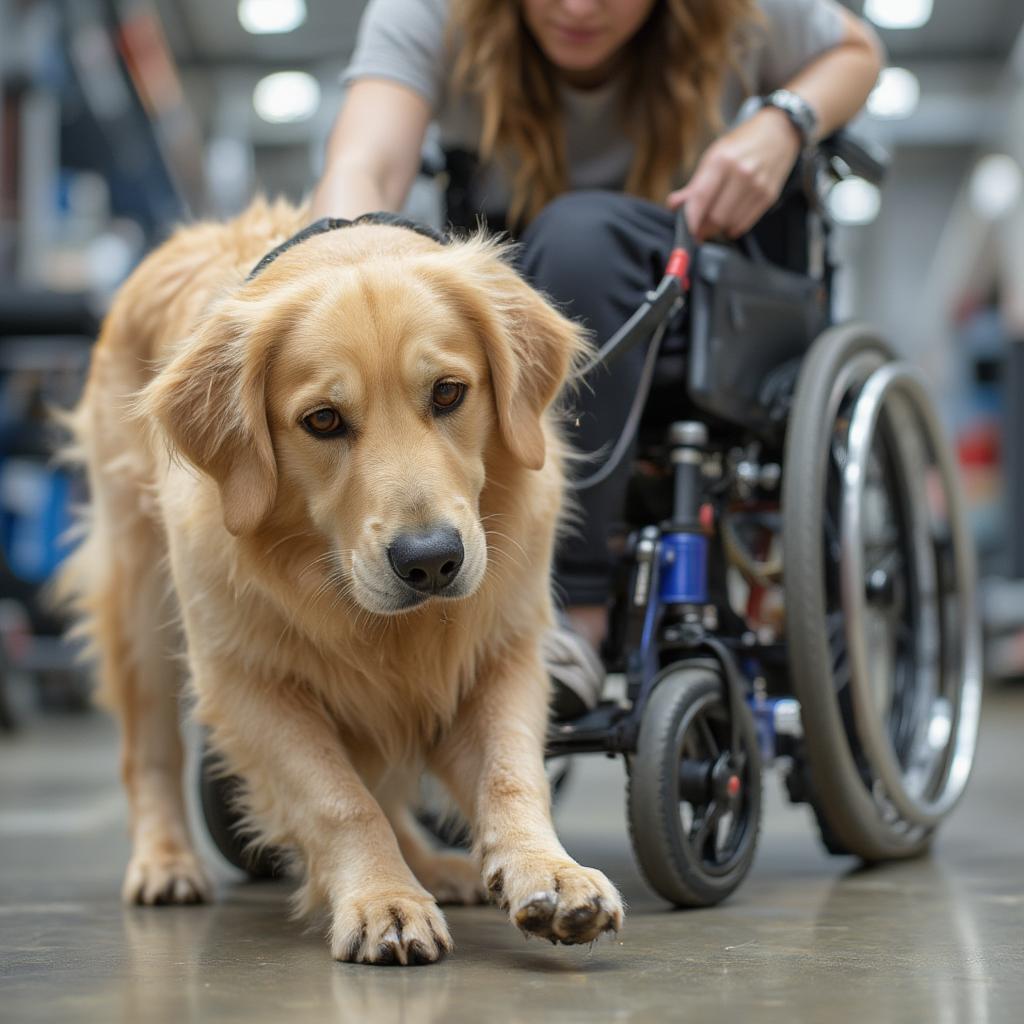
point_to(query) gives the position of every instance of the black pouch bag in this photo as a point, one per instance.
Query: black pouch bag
(748, 318)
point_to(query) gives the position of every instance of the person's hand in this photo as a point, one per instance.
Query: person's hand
(740, 176)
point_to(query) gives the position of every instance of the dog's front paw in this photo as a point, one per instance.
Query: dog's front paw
(557, 900)
(404, 928)
(173, 876)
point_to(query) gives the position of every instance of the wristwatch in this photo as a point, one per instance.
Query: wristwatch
(800, 113)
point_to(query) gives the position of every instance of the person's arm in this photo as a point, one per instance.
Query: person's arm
(373, 154)
(741, 175)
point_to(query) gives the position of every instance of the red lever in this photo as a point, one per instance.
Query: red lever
(679, 266)
(707, 518)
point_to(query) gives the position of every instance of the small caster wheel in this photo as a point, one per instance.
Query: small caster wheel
(694, 804)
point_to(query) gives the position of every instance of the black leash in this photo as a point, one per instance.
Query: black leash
(650, 321)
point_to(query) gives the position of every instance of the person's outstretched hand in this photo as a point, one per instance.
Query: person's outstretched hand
(740, 176)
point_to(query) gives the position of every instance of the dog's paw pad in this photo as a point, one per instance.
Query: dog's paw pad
(400, 931)
(572, 905)
(586, 922)
(168, 880)
(588, 906)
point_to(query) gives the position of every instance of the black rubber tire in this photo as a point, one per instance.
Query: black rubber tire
(850, 820)
(655, 825)
(217, 803)
(217, 793)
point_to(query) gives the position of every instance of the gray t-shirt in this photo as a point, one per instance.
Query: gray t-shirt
(406, 41)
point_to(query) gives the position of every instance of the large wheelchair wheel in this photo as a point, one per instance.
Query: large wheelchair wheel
(882, 626)
(694, 804)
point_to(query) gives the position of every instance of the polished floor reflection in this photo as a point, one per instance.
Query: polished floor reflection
(807, 937)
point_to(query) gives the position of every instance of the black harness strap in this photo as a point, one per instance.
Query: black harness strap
(324, 224)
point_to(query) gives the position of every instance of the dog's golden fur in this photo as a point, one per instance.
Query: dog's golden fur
(218, 522)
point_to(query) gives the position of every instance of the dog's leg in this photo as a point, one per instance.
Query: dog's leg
(450, 875)
(302, 789)
(493, 763)
(140, 679)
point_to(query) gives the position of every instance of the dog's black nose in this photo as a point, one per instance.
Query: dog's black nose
(427, 561)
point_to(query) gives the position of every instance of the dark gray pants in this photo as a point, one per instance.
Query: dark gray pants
(596, 254)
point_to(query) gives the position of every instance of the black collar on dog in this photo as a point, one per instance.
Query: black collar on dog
(318, 227)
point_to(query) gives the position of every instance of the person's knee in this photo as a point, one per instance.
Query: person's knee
(575, 217)
(569, 241)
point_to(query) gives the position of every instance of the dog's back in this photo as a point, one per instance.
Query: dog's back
(116, 580)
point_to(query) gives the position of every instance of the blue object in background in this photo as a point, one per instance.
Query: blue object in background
(35, 514)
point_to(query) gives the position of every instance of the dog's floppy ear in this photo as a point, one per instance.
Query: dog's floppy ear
(210, 401)
(531, 347)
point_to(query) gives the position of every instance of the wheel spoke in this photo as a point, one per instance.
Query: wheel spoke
(709, 736)
(689, 751)
(831, 532)
(705, 828)
(837, 645)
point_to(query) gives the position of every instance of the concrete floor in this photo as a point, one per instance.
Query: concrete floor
(806, 938)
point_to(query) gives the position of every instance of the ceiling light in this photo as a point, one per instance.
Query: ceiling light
(896, 94)
(263, 17)
(996, 186)
(854, 202)
(898, 13)
(286, 96)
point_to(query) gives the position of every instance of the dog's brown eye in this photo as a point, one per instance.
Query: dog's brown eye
(324, 423)
(448, 394)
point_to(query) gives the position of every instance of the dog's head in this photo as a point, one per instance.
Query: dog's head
(363, 382)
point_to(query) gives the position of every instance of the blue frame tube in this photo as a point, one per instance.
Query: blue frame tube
(683, 561)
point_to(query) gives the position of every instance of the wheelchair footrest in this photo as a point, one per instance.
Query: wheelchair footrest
(593, 732)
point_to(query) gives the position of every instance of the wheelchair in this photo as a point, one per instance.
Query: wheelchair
(797, 582)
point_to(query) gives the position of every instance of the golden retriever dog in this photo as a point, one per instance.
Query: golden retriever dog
(335, 487)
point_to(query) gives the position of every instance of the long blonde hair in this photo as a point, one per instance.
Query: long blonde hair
(674, 68)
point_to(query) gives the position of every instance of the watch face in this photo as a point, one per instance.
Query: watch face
(798, 110)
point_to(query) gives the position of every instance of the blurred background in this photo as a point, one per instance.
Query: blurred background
(120, 118)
